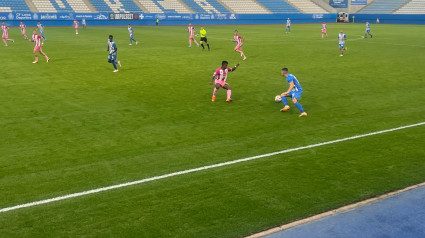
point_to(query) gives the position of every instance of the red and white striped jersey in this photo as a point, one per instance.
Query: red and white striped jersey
(191, 30)
(221, 74)
(4, 29)
(238, 39)
(22, 26)
(37, 39)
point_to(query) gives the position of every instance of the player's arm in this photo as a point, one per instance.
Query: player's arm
(234, 68)
(212, 79)
(291, 86)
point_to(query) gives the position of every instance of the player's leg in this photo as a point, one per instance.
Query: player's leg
(295, 98)
(206, 41)
(242, 54)
(216, 88)
(35, 55)
(229, 92)
(202, 44)
(190, 41)
(285, 102)
(44, 54)
(194, 40)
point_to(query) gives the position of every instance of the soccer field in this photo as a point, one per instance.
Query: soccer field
(72, 125)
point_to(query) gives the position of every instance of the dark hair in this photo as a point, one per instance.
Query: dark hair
(236, 31)
(285, 69)
(110, 36)
(224, 62)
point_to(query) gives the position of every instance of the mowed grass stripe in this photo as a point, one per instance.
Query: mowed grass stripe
(93, 191)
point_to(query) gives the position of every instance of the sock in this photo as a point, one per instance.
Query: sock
(215, 91)
(229, 93)
(130, 41)
(190, 43)
(285, 101)
(298, 105)
(44, 37)
(202, 46)
(365, 35)
(114, 64)
(208, 46)
(36, 59)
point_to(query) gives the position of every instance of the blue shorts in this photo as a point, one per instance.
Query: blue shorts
(341, 46)
(288, 26)
(112, 57)
(368, 31)
(131, 36)
(41, 32)
(295, 94)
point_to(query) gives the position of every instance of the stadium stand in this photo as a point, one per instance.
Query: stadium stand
(164, 6)
(79, 6)
(412, 7)
(382, 7)
(245, 6)
(307, 6)
(206, 6)
(116, 6)
(14, 6)
(278, 6)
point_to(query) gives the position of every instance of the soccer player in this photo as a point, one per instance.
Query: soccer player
(342, 38)
(112, 48)
(220, 76)
(5, 35)
(367, 30)
(23, 30)
(75, 24)
(131, 32)
(239, 43)
(41, 29)
(203, 33)
(191, 30)
(83, 22)
(288, 26)
(38, 40)
(294, 91)
(324, 28)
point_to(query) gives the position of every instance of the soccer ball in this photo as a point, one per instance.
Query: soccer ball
(277, 98)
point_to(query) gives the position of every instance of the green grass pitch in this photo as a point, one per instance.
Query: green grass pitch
(72, 125)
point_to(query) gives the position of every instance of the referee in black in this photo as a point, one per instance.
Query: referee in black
(204, 38)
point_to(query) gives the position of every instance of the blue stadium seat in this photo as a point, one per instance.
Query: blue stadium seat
(59, 9)
(278, 6)
(118, 6)
(15, 5)
(204, 6)
(382, 7)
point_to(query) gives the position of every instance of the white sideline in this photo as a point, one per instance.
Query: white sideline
(73, 195)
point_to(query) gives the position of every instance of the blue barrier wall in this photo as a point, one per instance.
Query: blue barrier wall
(389, 18)
(103, 19)
(106, 19)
